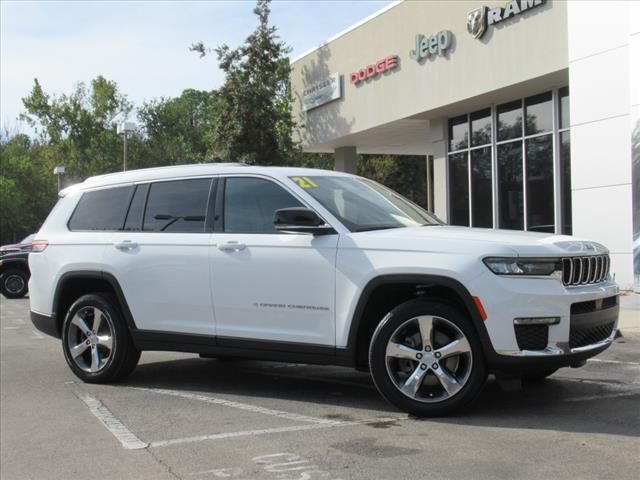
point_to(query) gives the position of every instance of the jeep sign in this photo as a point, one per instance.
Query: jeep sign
(434, 45)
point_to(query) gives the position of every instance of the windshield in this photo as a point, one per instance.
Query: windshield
(362, 204)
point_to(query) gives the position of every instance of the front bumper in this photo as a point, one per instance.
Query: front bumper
(506, 299)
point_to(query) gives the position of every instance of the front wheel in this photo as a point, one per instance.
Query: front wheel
(14, 283)
(96, 340)
(425, 358)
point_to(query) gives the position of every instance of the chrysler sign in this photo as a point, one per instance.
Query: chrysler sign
(479, 19)
(321, 92)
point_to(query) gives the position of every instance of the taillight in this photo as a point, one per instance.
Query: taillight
(39, 245)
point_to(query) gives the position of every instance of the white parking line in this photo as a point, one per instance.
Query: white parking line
(617, 362)
(601, 396)
(266, 431)
(238, 405)
(125, 436)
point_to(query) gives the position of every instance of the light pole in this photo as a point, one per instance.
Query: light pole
(58, 172)
(123, 129)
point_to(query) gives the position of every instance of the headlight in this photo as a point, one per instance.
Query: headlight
(524, 266)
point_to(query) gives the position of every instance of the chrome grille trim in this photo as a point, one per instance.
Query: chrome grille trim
(585, 270)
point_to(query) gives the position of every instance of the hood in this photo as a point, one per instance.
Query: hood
(487, 241)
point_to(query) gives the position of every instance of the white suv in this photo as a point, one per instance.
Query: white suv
(311, 266)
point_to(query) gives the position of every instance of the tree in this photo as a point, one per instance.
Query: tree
(80, 127)
(178, 130)
(27, 187)
(255, 122)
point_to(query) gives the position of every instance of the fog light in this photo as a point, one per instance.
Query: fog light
(537, 321)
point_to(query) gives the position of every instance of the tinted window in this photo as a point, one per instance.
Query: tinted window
(177, 206)
(565, 118)
(510, 120)
(459, 189)
(250, 205)
(481, 127)
(565, 171)
(510, 189)
(136, 209)
(481, 188)
(101, 209)
(539, 114)
(540, 207)
(458, 133)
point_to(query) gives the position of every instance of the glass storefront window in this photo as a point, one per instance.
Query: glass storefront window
(510, 120)
(565, 119)
(565, 171)
(458, 133)
(523, 158)
(538, 114)
(481, 127)
(481, 188)
(459, 189)
(510, 190)
(540, 205)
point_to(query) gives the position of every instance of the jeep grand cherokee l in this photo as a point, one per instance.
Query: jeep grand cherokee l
(311, 266)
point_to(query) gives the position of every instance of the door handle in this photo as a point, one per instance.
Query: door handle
(125, 245)
(232, 246)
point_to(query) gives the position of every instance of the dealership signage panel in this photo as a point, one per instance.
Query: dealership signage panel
(322, 92)
(479, 19)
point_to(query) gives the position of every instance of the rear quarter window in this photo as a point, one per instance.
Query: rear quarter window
(101, 209)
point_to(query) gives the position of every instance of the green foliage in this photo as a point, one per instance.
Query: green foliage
(254, 120)
(178, 130)
(27, 187)
(80, 128)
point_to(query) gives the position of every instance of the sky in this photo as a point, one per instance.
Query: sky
(144, 45)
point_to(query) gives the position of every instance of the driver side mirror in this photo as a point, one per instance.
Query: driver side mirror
(300, 220)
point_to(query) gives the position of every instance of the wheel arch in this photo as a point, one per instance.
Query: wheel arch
(74, 284)
(385, 292)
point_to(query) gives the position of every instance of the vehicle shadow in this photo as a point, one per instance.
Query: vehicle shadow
(560, 403)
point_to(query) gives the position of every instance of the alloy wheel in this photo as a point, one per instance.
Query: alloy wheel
(428, 358)
(90, 339)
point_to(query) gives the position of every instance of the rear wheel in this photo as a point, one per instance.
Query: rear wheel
(14, 283)
(96, 340)
(425, 358)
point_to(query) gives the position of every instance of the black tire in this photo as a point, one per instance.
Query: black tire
(14, 283)
(538, 375)
(428, 403)
(123, 355)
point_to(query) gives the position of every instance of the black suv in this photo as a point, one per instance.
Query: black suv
(14, 274)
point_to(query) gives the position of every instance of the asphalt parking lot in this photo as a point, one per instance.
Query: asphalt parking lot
(179, 416)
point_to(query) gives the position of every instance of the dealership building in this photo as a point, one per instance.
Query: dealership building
(527, 112)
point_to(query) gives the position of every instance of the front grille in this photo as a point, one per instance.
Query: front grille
(585, 270)
(532, 337)
(583, 336)
(594, 305)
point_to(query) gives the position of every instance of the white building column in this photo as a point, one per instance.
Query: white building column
(346, 160)
(600, 104)
(438, 148)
